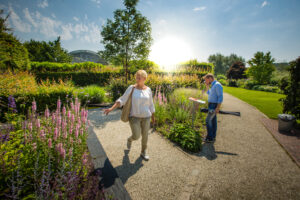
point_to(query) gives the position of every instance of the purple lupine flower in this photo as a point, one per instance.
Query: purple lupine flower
(49, 143)
(12, 104)
(33, 107)
(58, 121)
(47, 113)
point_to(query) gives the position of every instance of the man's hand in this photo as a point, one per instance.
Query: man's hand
(106, 111)
(217, 110)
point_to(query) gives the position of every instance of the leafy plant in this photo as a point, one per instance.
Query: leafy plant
(91, 94)
(291, 87)
(187, 137)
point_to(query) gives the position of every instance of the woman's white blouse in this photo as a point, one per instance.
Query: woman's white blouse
(142, 102)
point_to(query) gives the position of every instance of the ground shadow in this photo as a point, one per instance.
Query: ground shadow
(128, 169)
(292, 133)
(208, 151)
(99, 120)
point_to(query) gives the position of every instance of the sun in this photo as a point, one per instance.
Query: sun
(170, 51)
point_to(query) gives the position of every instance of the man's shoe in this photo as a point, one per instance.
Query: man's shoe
(208, 140)
(129, 144)
(145, 156)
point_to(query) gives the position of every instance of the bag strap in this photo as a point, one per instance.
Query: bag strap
(132, 91)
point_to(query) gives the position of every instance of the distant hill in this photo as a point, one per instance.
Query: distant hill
(80, 56)
(281, 66)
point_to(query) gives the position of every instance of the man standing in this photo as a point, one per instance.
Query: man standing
(215, 99)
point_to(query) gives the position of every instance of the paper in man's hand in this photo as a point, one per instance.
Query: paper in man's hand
(197, 100)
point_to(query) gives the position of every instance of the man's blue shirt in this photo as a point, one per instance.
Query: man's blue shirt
(215, 93)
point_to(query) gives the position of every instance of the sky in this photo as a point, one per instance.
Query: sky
(181, 29)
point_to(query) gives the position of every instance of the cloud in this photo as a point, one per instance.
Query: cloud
(265, 3)
(29, 17)
(88, 32)
(43, 4)
(98, 2)
(196, 9)
(85, 16)
(53, 15)
(18, 24)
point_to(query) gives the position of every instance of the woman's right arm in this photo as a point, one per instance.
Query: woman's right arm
(121, 101)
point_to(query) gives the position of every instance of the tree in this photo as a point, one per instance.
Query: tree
(261, 67)
(126, 38)
(41, 51)
(237, 71)
(222, 63)
(291, 88)
(13, 55)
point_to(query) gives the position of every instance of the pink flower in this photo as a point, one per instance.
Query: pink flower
(69, 114)
(55, 134)
(72, 106)
(160, 98)
(70, 152)
(63, 153)
(49, 143)
(33, 107)
(58, 105)
(38, 123)
(71, 140)
(70, 130)
(76, 133)
(34, 146)
(30, 126)
(53, 117)
(89, 122)
(24, 125)
(64, 111)
(42, 134)
(47, 113)
(73, 118)
(79, 141)
(65, 135)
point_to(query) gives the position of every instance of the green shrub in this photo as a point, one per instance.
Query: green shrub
(221, 77)
(232, 83)
(187, 137)
(291, 87)
(249, 84)
(161, 114)
(223, 82)
(241, 83)
(79, 78)
(91, 94)
(266, 88)
(117, 87)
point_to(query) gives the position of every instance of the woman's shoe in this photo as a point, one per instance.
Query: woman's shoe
(145, 156)
(129, 144)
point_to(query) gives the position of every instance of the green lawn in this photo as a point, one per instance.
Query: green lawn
(266, 102)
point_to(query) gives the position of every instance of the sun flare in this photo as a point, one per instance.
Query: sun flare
(170, 51)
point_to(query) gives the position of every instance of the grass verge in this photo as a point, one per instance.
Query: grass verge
(266, 102)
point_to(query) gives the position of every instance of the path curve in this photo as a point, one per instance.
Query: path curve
(245, 162)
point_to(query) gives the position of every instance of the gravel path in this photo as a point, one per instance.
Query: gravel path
(244, 163)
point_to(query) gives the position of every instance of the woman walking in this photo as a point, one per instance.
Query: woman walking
(142, 109)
